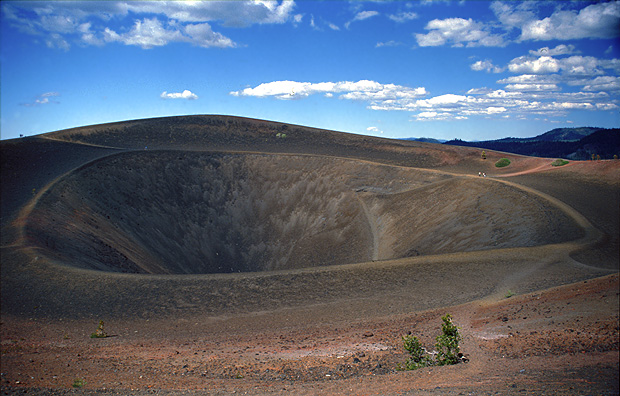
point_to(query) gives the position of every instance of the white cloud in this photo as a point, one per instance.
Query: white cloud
(530, 79)
(599, 20)
(390, 43)
(150, 33)
(155, 23)
(487, 66)
(603, 83)
(435, 116)
(532, 87)
(231, 13)
(561, 49)
(459, 32)
(485, 111)
(364, 90)
(186, 94)
(528, 65)
(403, 17)
(524, 95)
(361, 16)
(374, 130)
(43, 99)
(514, 14)
(575, 65)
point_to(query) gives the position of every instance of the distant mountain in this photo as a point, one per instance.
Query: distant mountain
(566, 134)
(571, 143)
(426, 140)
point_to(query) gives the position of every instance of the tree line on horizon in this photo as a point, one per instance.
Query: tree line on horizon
(578, 144)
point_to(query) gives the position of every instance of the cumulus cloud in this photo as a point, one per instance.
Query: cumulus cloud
(561, 49)
(458, 32)
(600, 20)
(603, 83)
(374, 129)
(155, 23)
(364, 90)
(486, 65)
(435, 116)
(529, 65)
(523, 95)
(186, 94)
(575, 65)
(532, 87)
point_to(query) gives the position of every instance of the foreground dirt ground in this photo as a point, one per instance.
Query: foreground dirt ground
(562, 340)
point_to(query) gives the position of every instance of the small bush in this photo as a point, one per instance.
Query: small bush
(78, 383)
(418, 357)
(447, 348)
(502, 163)
(509, 294)
(448, 343)
(559, 162)
(99, 333)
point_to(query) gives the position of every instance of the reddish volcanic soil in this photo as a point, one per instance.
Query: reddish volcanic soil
(95, 227)
(562, 340)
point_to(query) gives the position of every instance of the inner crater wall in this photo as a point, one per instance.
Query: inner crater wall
(188, 212)
(184, 212)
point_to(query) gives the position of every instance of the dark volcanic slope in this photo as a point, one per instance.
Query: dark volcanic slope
(95, 220)
(170, 212)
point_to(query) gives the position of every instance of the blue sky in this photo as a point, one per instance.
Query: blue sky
(472, 70)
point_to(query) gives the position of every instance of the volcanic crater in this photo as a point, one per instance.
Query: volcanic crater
(188, 212)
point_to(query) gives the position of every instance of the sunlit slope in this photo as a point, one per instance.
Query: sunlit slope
(188, 212)
(226, 133)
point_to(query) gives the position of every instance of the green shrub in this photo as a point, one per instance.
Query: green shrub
(502, 163)
(559, 162)
(78, 383)
(448, 343)
(99, 333)
(447, 346)
(417, 353)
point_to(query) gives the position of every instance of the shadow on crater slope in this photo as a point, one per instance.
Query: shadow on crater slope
(180, 212)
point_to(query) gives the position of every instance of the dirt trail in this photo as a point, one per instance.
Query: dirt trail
(541, 168)
(372, 224)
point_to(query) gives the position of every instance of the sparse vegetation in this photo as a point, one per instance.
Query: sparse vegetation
(502, 163)
(509, 294)
(447, 348)
(78, 383)
(100, 332)
(484, 155)
(448, 343)
(281, 135)
(418, 357)
(559, 162)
